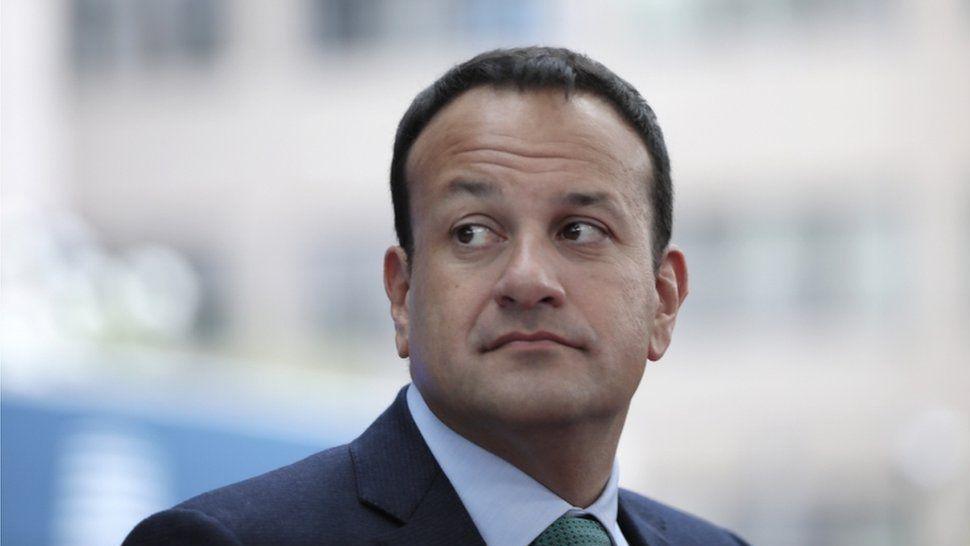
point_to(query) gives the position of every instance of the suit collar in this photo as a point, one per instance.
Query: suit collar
(640, 525)
(397, 474)
(507, 505)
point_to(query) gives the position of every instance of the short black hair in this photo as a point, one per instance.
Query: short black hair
(535, 68)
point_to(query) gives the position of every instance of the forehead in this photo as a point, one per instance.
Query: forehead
(530, 135)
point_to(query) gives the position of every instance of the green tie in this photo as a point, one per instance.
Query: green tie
(572, 531)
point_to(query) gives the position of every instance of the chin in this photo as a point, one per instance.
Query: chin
(534, 401)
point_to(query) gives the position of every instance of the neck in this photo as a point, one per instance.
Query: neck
(574, 460)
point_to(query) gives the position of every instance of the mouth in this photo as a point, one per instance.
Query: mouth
(534, 340)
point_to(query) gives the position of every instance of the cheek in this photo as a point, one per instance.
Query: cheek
(622, 311)
(444, 307)
(627, 345)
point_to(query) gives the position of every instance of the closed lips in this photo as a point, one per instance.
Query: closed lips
(537, 336)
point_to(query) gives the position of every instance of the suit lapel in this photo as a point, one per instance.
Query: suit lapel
(440, 519)
(640, 526)
(397, 474)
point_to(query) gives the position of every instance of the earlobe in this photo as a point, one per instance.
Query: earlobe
(671, 286)
(397, 283)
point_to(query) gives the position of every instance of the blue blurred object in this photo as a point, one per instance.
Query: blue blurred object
(77, 475)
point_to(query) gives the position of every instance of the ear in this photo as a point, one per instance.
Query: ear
(671, 286)
(397, 282)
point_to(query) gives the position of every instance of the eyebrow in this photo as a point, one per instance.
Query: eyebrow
(594, 199)
(579, 199)
(481, 189)
(472, 187)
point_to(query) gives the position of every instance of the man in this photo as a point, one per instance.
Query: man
(533, 280)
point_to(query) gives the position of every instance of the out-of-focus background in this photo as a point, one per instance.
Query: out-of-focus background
(195, 207)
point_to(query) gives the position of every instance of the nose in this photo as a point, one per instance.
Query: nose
(530, 277)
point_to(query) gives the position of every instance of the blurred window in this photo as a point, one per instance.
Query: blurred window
(111, 34)
(810, 261)
(700, 17)
(212, 320)
(500, 18)
(344, 24)
(346, 295)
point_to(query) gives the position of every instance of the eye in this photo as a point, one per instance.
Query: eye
(583, 233)
(474, 235)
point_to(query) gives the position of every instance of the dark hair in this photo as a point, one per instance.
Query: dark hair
(535, 68)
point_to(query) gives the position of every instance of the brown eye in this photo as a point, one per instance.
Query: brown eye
(473, 235)
(583, 233)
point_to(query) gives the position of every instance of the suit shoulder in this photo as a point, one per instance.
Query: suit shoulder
(294, 504)
(680, 527)
(180, 526)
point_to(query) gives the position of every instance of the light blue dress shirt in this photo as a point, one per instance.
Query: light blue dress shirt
(508, 507)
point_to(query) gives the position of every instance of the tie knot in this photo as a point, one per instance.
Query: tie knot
(573, 531)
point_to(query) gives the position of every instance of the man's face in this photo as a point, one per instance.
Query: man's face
(531, 298)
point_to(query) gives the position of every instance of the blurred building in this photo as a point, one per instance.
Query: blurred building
(200, 186)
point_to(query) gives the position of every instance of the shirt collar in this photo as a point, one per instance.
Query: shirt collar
(506, 504)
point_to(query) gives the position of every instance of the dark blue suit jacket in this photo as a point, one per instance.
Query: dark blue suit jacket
(385, 487)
